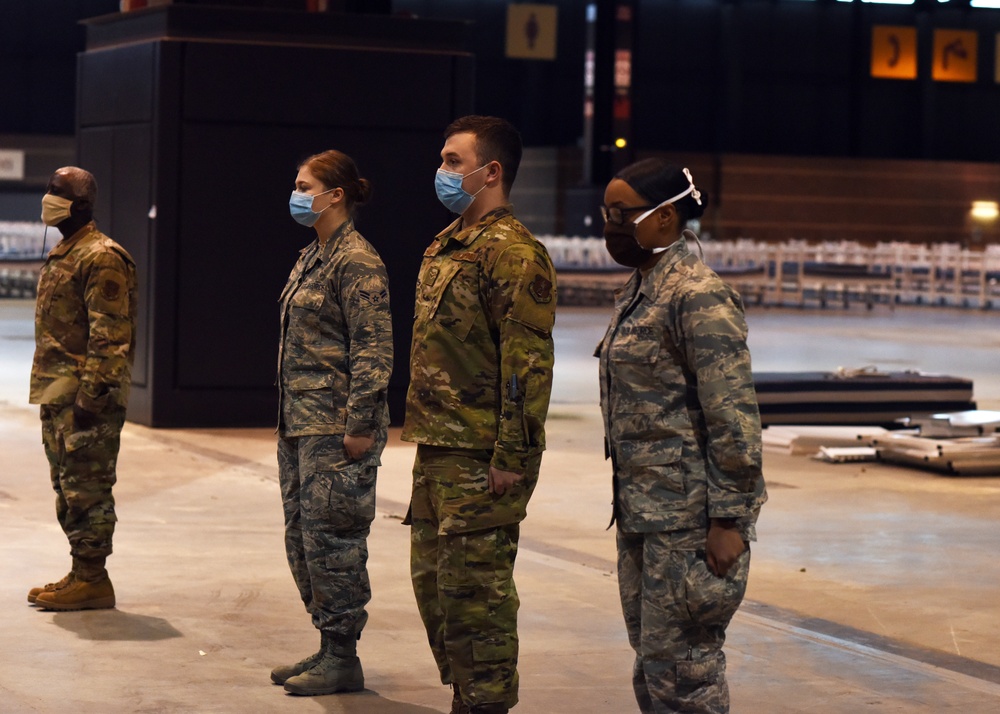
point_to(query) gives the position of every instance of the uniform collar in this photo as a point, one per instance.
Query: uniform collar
(330, 247)
(325, 252)
(650, 284)
(66, 244)
(465, 236)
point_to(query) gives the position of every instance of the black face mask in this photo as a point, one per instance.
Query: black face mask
(624, 248)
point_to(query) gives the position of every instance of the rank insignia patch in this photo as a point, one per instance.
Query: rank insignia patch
(374, 298)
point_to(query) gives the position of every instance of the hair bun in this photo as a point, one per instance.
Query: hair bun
(364, 191)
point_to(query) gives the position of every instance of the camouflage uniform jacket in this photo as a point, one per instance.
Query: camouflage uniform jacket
(85, 323)
(481, 359)
(335, 353)
(678, 401)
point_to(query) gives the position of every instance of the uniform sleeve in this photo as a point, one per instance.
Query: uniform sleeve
(364, 291)
(715, 345)
(522, 301)
(111, 318)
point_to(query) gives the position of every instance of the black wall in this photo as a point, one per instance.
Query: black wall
(211, 134)
(793, 78)
(39, 40)
(751, 76)
(544, 99)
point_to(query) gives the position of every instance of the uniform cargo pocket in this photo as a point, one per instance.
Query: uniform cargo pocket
(310, 396)
(656, 472)
(492, 649)
(654, 452)
(693, 674)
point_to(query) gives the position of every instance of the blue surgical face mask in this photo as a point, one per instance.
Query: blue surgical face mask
(300, 205)
(448, 185)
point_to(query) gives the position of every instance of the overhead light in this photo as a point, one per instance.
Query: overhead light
(985, 210)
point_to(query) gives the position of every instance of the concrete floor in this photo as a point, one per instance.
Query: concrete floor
(873, 588)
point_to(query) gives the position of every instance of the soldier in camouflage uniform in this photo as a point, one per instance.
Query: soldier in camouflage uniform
(480, 379)
(334, 361)
(683, 434)
(84, 348)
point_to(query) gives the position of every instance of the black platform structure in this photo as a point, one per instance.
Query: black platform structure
(870, 398)
(194, 118)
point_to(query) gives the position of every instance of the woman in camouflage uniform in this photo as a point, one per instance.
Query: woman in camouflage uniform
(334, 361)
(683, 434)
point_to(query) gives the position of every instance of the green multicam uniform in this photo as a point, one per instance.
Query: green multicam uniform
(84, 348)
(334, 362)
(683, 431)
(480, 379)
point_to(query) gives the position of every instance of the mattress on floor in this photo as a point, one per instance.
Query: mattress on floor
(864, 397)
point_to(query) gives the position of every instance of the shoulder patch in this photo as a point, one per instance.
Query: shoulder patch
(541, 289)
(110, 290)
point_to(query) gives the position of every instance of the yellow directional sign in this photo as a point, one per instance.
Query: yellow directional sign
(954, 56)
(894, 52)
(531, 31)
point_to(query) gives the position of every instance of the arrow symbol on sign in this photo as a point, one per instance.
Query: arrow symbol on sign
(894, 41)
(953, 48)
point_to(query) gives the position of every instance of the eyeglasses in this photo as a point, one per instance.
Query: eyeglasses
(616, 214)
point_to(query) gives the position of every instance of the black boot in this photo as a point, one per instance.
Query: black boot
(338, 670)
(279, 675)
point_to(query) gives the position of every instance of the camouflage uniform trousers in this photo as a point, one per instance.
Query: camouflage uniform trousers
(82, 465)
(676, 613)
(463, 543)
(329, 505)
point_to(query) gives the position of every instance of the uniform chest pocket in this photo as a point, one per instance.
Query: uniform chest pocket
(307, 299)
(455, 305)
(305, 308)
(61, 300)
(54, 286)
(635, 349)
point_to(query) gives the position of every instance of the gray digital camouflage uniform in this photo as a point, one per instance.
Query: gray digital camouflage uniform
(334, 361)
(84, 348)
(683, 432)
(480, 379)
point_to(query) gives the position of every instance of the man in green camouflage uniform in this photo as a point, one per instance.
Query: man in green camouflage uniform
(683, 433)
(480, 379)
(334, 362)
(84, 347)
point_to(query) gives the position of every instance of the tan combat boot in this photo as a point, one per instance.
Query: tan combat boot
(79, 595)
(280, 675)
(35, 592)
(338, 670)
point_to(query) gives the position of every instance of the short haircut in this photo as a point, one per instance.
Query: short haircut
(83, 182)
(496, 140)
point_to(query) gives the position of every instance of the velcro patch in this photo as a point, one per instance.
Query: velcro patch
(541, 289)
(110, 290)
(467, 256)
